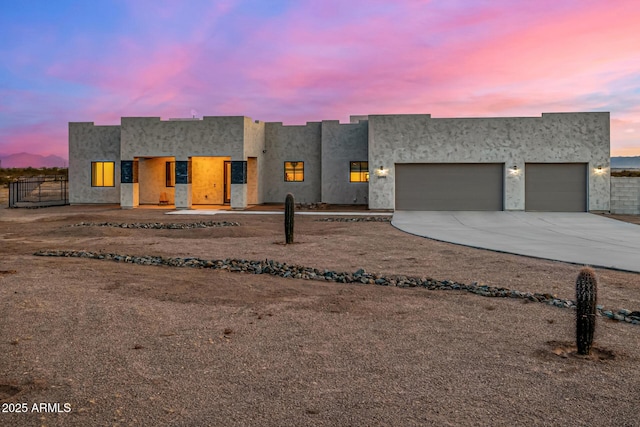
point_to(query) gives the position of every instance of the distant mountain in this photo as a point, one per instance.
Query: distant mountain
(25, 160)
(625, 162)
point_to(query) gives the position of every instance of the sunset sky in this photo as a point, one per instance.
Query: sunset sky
(298, 61)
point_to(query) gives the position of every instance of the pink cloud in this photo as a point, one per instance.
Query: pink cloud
(523, 71)
(326, 60)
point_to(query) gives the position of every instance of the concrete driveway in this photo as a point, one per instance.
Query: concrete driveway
(579, 238)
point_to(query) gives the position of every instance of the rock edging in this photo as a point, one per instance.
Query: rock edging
(360, 276)
(356, 219)
(160, 225)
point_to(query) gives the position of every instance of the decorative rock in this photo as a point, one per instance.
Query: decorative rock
(159, 225)
(312, 206)
(360, 276)
(356, 219)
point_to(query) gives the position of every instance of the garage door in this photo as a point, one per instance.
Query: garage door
(555, 187)
(449, 186)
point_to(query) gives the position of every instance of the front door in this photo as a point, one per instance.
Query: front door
(227, 181)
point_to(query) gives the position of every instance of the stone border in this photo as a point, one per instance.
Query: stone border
(356, 219)
(160, 225)
(360, 276)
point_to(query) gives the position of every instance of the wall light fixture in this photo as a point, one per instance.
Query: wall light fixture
(381, 172)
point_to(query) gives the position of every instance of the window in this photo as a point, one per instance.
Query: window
(358, 171)
(170, 174)
(294, 171)
(103, 174)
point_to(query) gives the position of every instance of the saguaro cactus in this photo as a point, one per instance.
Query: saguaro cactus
(586, 296)
(289, 211)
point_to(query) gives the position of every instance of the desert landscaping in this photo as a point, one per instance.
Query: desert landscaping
(124, 343)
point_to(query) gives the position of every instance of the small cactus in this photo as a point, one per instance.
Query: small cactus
(586, 296)
(289, 211)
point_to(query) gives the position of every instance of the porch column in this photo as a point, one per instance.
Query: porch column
(183, 184)
(129, 187)
(238, 184)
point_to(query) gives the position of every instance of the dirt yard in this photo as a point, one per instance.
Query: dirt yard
(124, 344)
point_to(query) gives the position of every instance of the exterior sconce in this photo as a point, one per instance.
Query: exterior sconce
(514, 170)
(381, 172)
(599, 170)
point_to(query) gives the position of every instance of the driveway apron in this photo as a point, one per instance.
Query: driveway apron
(579, 238)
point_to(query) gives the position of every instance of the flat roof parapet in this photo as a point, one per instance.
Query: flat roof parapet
(292, 126)
(358, 118)
(90, 124)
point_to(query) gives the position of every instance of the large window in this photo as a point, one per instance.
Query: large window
(103, 174)
(293, 171)
(170, 173)
(358, 171)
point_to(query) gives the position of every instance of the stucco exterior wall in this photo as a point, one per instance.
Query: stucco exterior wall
(183, 196)
(342, 144)
(292, 143)
(211, 136)
(625, 195)
(89, 143)
(555, 137)
(129, 195)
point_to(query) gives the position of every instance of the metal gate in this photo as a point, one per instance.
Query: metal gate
(39, 191)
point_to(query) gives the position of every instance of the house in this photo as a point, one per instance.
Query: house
(555, 162)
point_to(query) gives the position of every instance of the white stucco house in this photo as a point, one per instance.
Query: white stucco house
(555, 162)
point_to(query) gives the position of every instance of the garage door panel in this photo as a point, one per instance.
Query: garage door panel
(556, 187)
(449, 186)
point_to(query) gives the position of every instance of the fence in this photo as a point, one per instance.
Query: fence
(625, 195)
(39, 191)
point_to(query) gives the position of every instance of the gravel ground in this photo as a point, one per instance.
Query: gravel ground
(127, 344)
